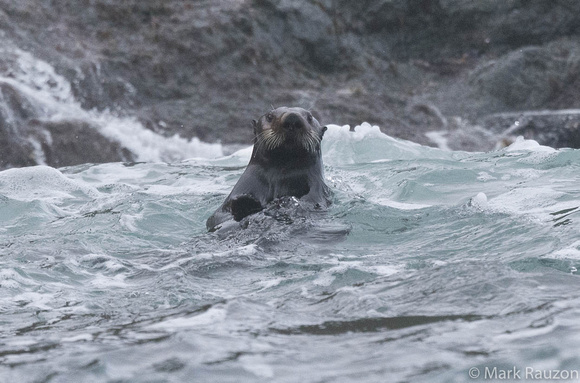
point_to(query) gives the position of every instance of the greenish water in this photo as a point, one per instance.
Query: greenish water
(429, 263)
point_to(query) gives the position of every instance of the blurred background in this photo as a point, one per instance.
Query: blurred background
(163, 80)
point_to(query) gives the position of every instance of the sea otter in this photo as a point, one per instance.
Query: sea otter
(286, 161)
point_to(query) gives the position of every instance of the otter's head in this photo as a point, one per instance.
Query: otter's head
(287, 130)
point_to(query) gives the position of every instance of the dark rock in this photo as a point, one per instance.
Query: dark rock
(14, 153)
(27, 139)
(531, 77)
(14, 108)
(95, 87)
(558, 129)
(65, 143)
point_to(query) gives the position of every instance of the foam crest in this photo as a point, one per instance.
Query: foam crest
(521, 144)
(342, 146)
(42, 183)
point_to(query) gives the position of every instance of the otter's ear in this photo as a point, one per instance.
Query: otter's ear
(322, 131)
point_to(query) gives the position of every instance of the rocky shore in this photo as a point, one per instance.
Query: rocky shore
(473, 74)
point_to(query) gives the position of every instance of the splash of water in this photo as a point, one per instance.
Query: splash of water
(52, 97)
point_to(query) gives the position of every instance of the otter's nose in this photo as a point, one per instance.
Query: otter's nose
(293, 122)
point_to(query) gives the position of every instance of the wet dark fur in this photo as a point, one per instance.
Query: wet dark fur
(286, 161)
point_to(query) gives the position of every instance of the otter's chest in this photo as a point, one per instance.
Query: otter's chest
(287, 183)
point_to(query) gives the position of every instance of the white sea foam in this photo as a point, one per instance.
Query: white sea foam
(537, 203)
(256, 364)
(485, 176)
(238, 158)
(327, 277)
(522, 144)
(342, 146)
(569, 252)
(212, 316)
(105, 282)
(439, 138)
(243, 251)
(42, 183)
(86, 337)
(479, 201)
(395, 204)
(10, 279)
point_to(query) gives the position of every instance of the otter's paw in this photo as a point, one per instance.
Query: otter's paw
(244, 205)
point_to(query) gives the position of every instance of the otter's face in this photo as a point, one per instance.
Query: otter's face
(291, 128)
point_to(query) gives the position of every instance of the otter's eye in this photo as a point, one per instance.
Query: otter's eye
(309, 118)
(269, 117)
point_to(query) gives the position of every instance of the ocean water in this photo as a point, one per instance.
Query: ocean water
(430, 265)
